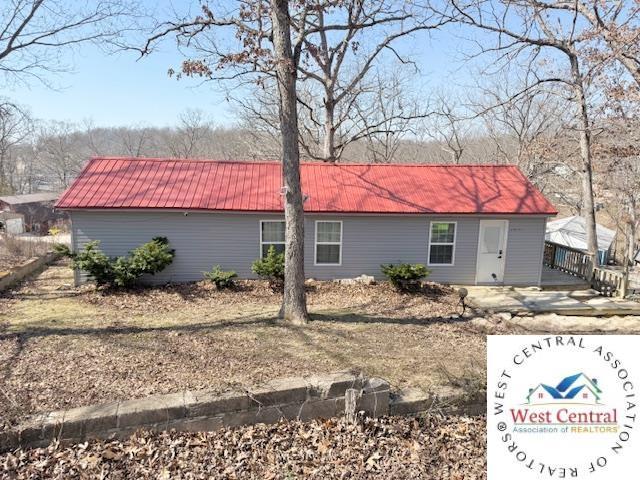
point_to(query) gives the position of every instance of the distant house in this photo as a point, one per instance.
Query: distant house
(572, 232)
(470, 224)
(36, 208)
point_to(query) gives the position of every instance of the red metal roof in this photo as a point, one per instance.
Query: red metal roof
(134, 183)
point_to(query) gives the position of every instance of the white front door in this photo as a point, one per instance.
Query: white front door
(492, 249)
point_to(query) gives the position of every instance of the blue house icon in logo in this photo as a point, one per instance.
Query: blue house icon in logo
(578, 388)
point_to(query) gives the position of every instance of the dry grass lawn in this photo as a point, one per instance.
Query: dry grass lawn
(64, 347)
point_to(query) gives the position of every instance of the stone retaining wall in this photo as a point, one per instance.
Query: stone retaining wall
(292, 398)
(447, 400)
(15, 274)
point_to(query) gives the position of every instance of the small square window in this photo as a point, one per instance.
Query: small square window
(442, 232)
(273, 232)
(329, 232)
(328, 254)
(441, 254)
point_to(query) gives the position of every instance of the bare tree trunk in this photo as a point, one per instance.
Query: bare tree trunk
(628, 254)
(632, 234)
(588, 208)
(329, 147)
(3, 177)
(295, 306)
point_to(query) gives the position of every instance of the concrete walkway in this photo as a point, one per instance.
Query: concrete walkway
(554, 323)
(533, 300)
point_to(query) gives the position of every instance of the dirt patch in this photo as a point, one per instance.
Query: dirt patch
(63, 347)
(389, 448)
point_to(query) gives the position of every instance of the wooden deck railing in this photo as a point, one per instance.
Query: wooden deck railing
(565, 259)
(608, 282)
(575, 262)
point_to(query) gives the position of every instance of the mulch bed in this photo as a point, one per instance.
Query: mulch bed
(433, 299)
(388, 448)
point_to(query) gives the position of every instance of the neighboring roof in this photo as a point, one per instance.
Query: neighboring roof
(330, 188)
(30, 198)
(572, 232)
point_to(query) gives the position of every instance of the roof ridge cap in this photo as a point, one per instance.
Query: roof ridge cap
(303, 162)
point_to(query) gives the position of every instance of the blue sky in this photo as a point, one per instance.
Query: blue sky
(120, 89)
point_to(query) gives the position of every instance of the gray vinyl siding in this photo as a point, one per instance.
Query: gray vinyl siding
(525, 250)
(202, 240)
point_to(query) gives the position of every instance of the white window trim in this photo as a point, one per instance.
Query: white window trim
(453, 252)
(315, 248)
(262, 243)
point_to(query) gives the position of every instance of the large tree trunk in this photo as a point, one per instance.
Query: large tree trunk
(588, 208)
(294, 303)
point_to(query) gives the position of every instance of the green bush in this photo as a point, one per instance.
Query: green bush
(271, 268)
(93, 261)
(62, 249)
(405, 276)
(221, 278)
(149, 258)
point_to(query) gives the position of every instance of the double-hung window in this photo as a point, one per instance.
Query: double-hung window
(271, 234)
(442, 239)
(328, 242)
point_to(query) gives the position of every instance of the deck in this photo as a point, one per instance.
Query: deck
(553, 279)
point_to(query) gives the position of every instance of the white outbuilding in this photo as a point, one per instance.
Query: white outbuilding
(572, 232)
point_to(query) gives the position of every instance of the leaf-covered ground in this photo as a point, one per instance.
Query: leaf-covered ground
(64, 347)
(388, 448)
